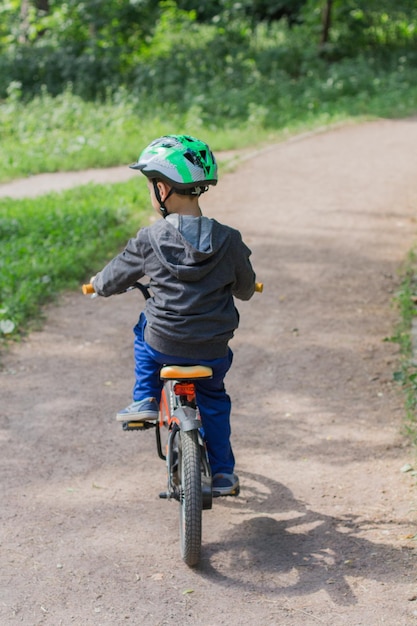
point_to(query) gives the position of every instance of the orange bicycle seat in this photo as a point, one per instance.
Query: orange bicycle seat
(182, 372)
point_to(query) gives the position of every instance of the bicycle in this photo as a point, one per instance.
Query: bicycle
(180, 443)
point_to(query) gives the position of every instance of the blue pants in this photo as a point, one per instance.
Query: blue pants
(212, 399)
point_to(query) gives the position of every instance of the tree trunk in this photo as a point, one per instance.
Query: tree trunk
(327, 18)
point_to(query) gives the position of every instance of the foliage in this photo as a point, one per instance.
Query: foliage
(87, 43)
(49, 244)
(255, 10)
(175, 51)
(365, 26)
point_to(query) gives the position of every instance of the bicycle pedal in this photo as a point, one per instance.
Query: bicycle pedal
(138, 425)
(164, 495)
(234, 493)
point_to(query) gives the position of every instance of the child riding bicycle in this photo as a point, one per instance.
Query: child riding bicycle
(196, 266)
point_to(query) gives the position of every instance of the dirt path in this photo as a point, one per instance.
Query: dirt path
(322, 532)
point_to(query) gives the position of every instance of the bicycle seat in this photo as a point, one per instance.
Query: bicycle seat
(185, 372)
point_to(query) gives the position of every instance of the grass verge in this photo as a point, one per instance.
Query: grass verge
(53, 242)
(405, 337)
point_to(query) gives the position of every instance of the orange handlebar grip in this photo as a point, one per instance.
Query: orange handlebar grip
(87, 289)
(259, 287)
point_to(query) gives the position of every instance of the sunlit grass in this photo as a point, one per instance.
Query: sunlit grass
(50, 244)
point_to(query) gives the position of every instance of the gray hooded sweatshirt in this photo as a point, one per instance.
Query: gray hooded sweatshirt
(195, 266)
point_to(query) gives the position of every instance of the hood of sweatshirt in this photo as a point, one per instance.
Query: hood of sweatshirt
(189, 247)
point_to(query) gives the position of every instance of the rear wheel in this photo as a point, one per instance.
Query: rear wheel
(191, 500)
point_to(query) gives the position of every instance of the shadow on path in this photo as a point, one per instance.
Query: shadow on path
(288, 550)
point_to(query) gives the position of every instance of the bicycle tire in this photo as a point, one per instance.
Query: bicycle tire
(191, 498)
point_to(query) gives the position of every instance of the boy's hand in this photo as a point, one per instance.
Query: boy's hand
(89, 289)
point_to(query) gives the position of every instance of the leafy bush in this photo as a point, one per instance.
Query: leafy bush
(162, 55)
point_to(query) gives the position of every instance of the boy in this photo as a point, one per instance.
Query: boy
(195, 266)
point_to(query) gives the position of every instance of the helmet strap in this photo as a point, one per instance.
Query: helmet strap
(161, 202)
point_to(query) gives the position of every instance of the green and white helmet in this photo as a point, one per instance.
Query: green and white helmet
(182, 161)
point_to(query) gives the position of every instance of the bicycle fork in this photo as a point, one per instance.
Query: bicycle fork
(184, 419)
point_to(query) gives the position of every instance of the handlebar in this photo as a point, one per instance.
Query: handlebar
(88, 288)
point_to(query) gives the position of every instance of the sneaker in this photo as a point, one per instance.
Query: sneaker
(225, 485)
(140, 411)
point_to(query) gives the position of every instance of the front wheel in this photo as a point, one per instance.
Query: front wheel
(191, 499)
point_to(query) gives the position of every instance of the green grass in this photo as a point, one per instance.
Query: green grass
(406, 300)
(54, 242)
(66, 133)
